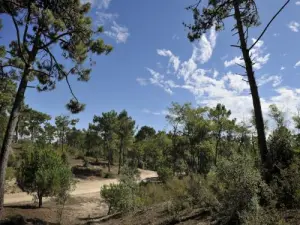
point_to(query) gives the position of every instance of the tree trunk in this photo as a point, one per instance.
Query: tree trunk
(120, 155)
(40, 197)
(262, 144)
(9, 133)
(217, 146)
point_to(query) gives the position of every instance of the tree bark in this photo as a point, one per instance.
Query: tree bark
(120, 155)
(262, 144)
(40, 197)
(9, 133)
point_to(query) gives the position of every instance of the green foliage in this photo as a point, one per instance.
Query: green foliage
(43, 173)
(165, 173)
(10, 173)
(122, 197)
(239, 186)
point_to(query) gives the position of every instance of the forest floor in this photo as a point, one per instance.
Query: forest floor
(84, 203)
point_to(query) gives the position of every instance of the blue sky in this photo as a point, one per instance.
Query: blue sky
(153, 63)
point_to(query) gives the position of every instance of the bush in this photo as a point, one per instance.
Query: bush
(43, 173)
(286, 186)
(87, 171)
(238, 184)
(122, 197)
(164, 173)
(10, 173)
(109, 175)
(12, 160)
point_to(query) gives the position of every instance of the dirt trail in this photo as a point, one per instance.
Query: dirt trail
(83, 187)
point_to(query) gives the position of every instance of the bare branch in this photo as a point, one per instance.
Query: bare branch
(241, 65)
(266, 28)
(236, 46)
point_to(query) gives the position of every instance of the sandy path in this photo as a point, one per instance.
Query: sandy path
(83, 187)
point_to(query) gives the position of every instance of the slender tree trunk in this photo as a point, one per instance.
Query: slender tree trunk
(9, 133)
(262, 143)
(40, 197)
(217, 147)
(120, 155)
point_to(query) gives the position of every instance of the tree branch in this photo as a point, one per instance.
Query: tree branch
(26, 27)
(266, 28)
(63, 72)
(55, 39)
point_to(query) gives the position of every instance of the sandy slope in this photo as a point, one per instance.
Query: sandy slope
(83, 187)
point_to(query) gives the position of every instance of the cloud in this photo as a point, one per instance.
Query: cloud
(297, 3)
(297, 64)
(203, 50)
(103, 17)
(160, 81)
(209, 88)
(156, 113)
(294, 26)
(175, 37)
(257, 54)
(174, 60)
(276, 34)
(282, 68)
(275, 80)
(118, 32)
(142, 81)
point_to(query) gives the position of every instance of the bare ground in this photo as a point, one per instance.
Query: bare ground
(84, 204)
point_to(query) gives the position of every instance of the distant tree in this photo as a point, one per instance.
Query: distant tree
(49, 132)
(43, 173)
(125, 132)
(41, 27)
(144, 133)
(221, 123)
(63, 124)
(245, 14)
(106, 126)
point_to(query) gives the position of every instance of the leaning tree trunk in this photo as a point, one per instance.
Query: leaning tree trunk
(262, 144)
(9, 133)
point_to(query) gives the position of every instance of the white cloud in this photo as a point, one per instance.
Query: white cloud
(216, 73)
(175, 37)
(142, 81)
(174, 60)
(282, 68)
(160, 81)
(257, 54)
(297, 3)
(297, 64)
(203, 50)
(119, 33)
(276, 80)
(276, 34)
(103, 17)
(156, 113)
(294, 26)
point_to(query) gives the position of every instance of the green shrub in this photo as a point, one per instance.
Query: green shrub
(238, 184)
(109, 175)
(43, 173)
(122, 197)
(12, 160)
(10, 173)
(164, 173)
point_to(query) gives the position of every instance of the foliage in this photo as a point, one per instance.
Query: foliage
(122, 197)
(43, 173)
(165, 173)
